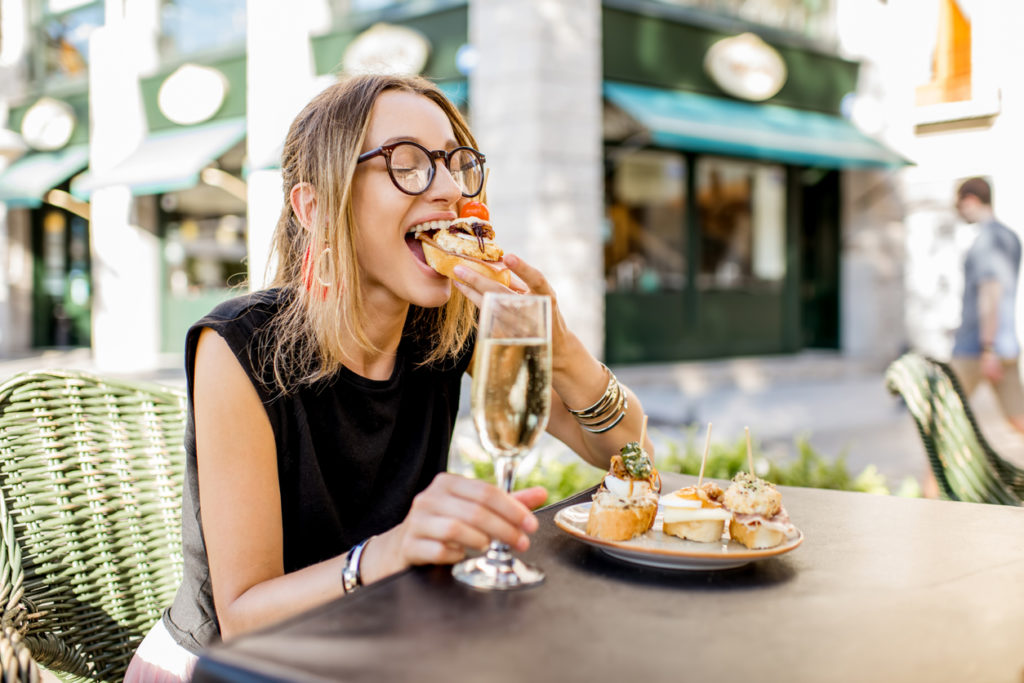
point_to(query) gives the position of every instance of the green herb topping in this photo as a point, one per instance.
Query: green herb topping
(636, 460)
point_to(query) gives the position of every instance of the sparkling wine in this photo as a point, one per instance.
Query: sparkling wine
(511, 397)
(511, 394)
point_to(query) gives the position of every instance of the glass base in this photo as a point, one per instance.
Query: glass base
(486, 573)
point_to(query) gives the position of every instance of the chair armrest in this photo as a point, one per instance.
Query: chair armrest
(16, 663)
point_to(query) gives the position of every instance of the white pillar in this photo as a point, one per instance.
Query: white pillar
(126, 285)
(264, 207)
(279, 79)
(125, 257)
(535, 106)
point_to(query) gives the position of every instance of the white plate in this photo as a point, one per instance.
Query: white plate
(657, 549)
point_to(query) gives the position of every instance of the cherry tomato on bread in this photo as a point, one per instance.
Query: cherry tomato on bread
(475, 210)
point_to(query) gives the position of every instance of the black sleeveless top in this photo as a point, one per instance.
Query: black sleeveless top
(351, 452)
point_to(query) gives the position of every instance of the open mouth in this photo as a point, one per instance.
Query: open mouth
(415, 246)
(428, 230)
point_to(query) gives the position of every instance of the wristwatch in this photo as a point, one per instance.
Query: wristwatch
(351, 577)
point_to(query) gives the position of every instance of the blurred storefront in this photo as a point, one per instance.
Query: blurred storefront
(724, 159)
(178, 133)
(695, 161)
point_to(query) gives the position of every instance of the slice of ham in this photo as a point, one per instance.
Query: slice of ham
(780, 522)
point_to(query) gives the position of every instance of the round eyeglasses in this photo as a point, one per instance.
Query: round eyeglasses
(412, 166)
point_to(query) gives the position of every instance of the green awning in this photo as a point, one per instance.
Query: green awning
(27, 180)
(701, 123)
(167, 160)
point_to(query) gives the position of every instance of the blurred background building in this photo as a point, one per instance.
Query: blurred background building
(698, 178)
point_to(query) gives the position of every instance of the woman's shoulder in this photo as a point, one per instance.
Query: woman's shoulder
(241, 321)
(244, 323)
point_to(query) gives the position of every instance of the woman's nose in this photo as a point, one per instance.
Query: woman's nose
(444, 185)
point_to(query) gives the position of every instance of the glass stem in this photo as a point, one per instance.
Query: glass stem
(505, 474)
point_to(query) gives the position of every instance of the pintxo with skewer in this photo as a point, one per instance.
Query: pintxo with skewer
(626, 503)
(467, 241)
(695, 513)
(758, 518)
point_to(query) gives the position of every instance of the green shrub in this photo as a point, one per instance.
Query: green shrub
(561, 479)
(809, 469)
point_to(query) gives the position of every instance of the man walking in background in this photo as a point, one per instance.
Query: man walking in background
(986, 346)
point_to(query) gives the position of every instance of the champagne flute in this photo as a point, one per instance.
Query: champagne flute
(510, 402)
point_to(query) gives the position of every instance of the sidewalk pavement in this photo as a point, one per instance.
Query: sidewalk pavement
(839, 403)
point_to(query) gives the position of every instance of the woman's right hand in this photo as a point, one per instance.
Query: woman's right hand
(451, 516)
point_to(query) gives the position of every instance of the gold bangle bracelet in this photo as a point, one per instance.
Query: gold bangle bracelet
(602, 403)
(608, 411)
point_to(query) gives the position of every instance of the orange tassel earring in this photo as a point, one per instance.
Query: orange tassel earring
(309, 265)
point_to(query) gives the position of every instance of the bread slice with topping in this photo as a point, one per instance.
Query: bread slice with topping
(626, 503)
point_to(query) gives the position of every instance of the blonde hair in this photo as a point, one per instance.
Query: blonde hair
(303, 344)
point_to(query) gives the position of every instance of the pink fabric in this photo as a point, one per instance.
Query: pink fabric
(160, 659)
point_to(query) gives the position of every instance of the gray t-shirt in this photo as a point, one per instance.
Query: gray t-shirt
(995, 255)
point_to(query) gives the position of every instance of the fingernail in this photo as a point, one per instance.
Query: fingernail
(522, 544)
(530, 524)
(460, 271)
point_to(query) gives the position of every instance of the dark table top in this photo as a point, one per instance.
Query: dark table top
(882, 588)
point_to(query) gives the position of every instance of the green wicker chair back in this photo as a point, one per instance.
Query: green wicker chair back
(91, 474)
(965, 466)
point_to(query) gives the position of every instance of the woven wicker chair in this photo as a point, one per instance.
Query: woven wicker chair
(91, 475)
(965, 466)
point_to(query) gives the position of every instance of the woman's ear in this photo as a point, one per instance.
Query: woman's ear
(303, 200)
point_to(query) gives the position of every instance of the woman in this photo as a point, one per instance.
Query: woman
(322, 409)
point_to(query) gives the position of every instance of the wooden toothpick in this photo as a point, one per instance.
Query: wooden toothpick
(704, 458)
(643, 433)
(750, 452)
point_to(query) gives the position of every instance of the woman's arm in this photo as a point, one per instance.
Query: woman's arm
(577, 378)
(240, 499)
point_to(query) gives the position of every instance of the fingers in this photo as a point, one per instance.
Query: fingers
(529, 275)
(455, 514)
(473, 284)
(428, 551)
(532, 497)
(468, 524)
(517, 285)
(525, 280)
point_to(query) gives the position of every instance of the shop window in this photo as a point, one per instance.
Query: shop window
(61, 294)
(189, 27)
(204, 255)
(742, 212)
(64, 27)
(645, 238)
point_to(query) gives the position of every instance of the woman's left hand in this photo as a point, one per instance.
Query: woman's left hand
(525, 280)
(577, 378)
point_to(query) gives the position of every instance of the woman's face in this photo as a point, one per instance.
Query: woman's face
(392, 264)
